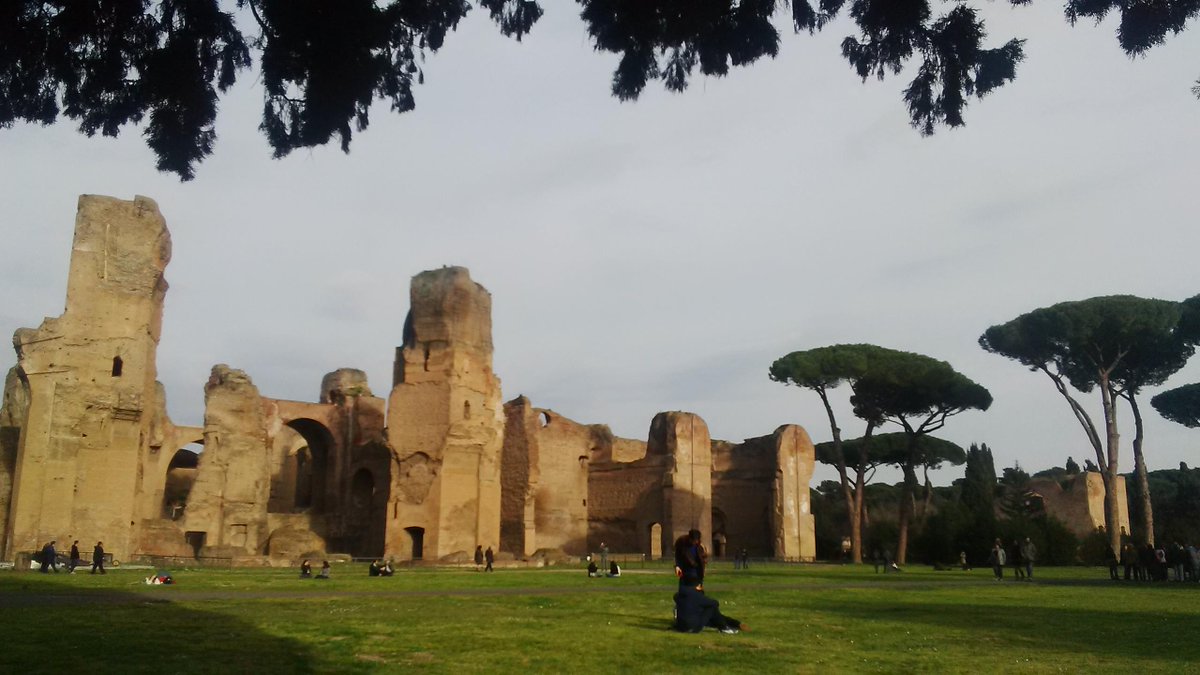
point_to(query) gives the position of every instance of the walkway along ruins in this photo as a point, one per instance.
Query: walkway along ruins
(87, 450)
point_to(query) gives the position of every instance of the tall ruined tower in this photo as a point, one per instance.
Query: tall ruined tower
(445, 423)
(687, 484)
(86, 435)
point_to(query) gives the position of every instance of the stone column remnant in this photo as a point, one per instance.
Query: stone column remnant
(90, 373)
(445, 422)
(228, 502)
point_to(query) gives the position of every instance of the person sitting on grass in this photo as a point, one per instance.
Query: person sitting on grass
(614, 570)
(386, 570)
(593, 571)
(694, 611)
(324, 574)
(373, 570)
(162, 578)
(305, 569)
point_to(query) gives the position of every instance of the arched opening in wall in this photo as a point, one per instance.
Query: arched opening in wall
(181, 476)
(118, 364)
(466, 410)
(312, 465)
(719, 536)
(655, 541)
(417, 542)
(544, 419)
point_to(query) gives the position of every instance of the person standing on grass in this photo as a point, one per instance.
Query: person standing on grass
(996, 559)
(1129, 561)
(74, 556)
(1113, 562)
(478, 558)
(98, 558)
(1028, 556)
(1014, 559)
(603, 555)
(690, 559)
(490, 558)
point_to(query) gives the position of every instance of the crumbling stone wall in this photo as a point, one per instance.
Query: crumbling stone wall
(228, 502)
(91, 376)
(445, 422)
(1078, 501)
(544, 472)
(13, 411)
(773, 522)
(645, 504)
(87, 450)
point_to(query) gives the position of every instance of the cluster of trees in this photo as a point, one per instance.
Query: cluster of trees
(965, 517)
(1116, 345)
(108, 63)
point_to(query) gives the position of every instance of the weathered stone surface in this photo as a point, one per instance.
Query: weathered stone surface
(91, 376)
(1078, 501)
(87, 450)
(228, 502)
(13, 411)
(446, 422)
(545, 479)
(295, 543)
(342, 384)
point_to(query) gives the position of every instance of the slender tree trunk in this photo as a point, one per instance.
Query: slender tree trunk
(1112, 512)
(856, 524)
(858, 510)
(848, 493)
(906, 509)
(1139, 463)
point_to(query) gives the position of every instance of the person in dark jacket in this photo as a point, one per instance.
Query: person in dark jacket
(74, 556)
(478, 558)
(98, 558)
(373, 570)
(694, 611)
(490, 558)
(690, 559)
(1014, 559)
(305, 569)
(49, 558)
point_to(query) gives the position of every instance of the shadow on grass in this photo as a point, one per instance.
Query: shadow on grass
(1139, 635)
(111, 631)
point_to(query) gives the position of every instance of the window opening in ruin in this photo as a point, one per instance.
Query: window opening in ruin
(117, 365)
(466, 410)
(362, 489)
(196, 541)
(417, 534)
(312, 462)
(181, 475)
(718, 532)
(544, 419)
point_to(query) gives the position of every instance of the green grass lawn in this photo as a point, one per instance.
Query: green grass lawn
(803, 618)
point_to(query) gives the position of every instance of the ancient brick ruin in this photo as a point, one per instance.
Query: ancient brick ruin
(87, 450)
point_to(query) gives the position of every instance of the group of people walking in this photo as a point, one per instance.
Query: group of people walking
(1019, 555)
(482, 556)
(48, 558)
(1174, 561)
